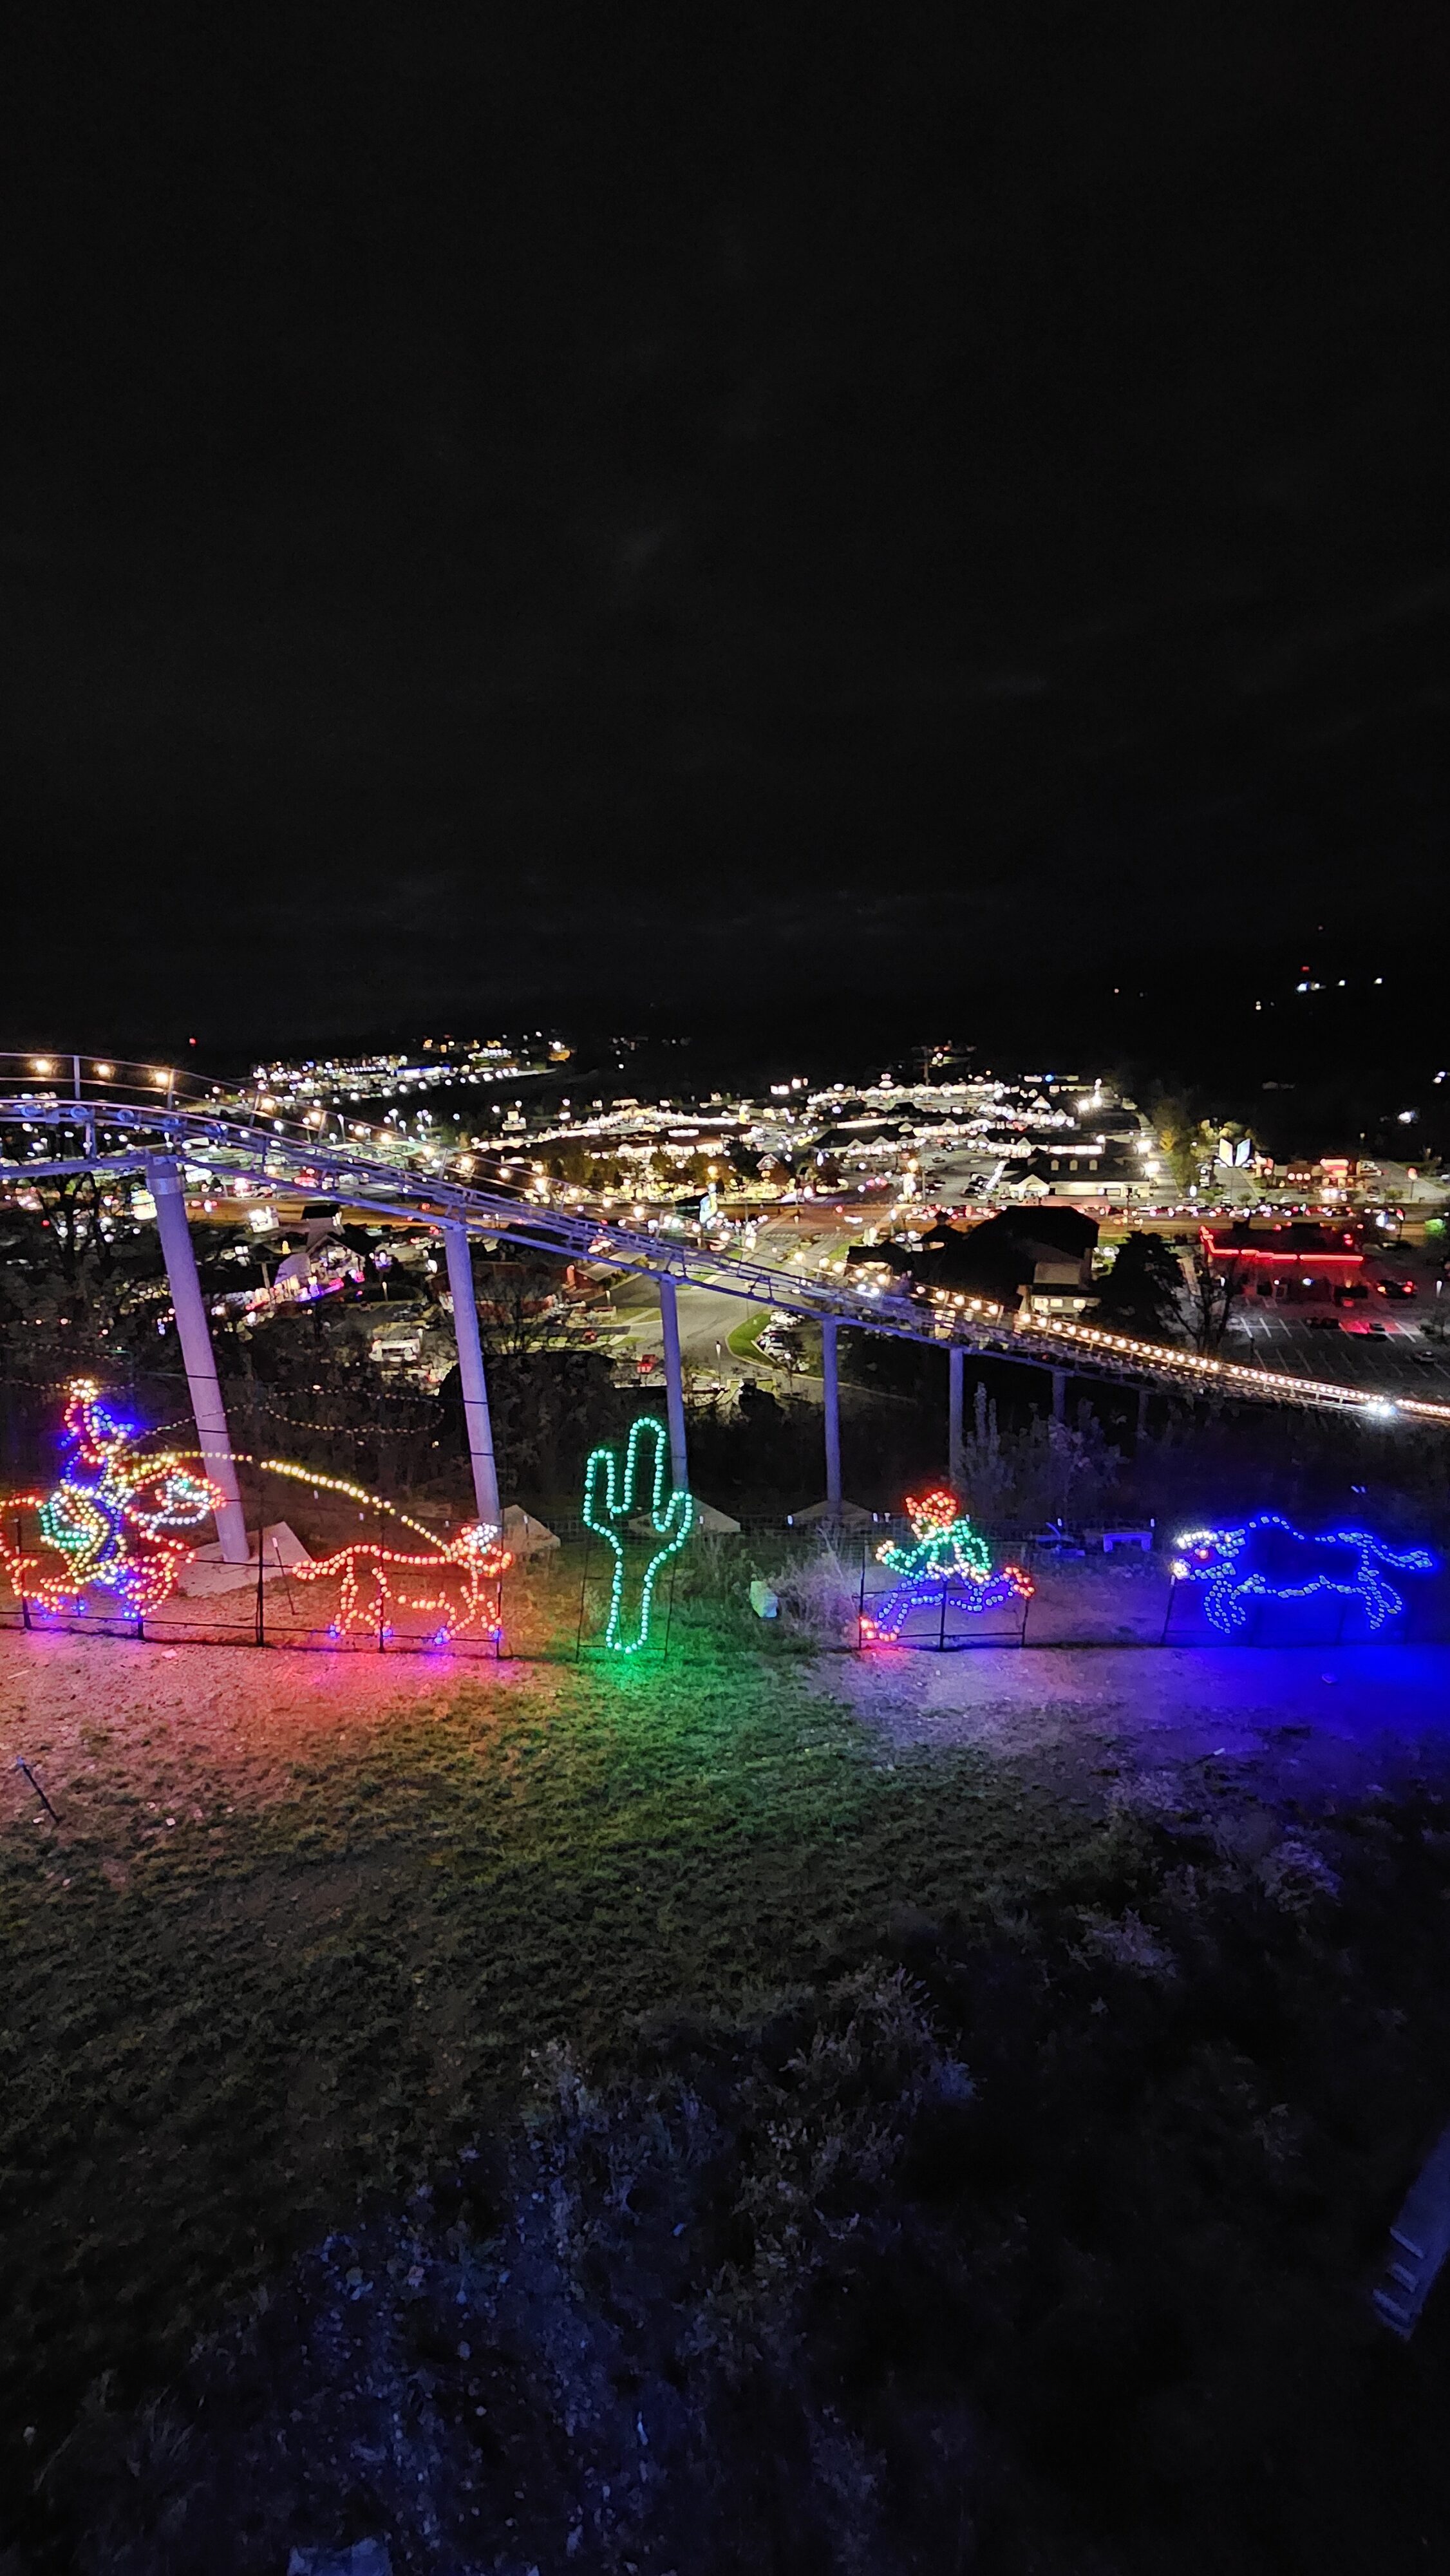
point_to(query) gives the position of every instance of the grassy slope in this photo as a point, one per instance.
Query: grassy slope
(1177, 2184)
(295, 2003)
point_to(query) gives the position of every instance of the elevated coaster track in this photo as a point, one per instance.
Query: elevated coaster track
(111, 1120)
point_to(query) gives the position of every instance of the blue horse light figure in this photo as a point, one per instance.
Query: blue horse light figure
(1268, 1559)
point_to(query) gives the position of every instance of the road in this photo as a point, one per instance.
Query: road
(707, 1316)
(707, 1319)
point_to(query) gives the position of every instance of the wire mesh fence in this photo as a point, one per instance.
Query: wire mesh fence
(555, 1607)
(355, 1548)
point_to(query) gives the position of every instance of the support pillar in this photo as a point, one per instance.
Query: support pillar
(1141, 1431)
(1059, 1395)
(832, 1392)
(471, 1376)
(674, 1385)
(956, 1447)
(213, 1437)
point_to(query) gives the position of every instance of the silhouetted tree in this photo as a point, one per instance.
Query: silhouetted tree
(1142, 1292)
(1216, 1292)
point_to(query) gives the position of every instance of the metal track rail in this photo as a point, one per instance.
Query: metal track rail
(221, 1141)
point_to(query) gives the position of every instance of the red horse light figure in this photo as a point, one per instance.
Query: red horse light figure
(457, 1579)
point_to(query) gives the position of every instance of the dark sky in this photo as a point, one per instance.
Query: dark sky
(511, 509)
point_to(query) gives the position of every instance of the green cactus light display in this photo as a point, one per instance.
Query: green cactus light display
(612, 1501)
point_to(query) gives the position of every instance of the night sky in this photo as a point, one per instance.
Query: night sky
(521, 511)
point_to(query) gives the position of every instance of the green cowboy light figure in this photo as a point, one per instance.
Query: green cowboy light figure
(611, 1502)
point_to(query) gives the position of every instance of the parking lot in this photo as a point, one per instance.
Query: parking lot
(1399, 1360)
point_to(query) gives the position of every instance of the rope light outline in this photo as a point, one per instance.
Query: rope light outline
(673, 1527)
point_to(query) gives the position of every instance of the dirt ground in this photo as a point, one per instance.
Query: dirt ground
(195, 1728)
(1299, 1721)
(307, 1917)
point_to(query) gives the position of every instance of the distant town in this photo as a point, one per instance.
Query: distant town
(1019, 1192)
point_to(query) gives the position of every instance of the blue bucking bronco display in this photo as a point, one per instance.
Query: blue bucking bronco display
(1267, 1559)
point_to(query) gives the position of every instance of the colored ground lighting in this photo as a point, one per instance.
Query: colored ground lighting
(1267, 1559)
(455, 1580)
(612, 1500)
(950, 1562)
(1287, 1260)
(119, 1519)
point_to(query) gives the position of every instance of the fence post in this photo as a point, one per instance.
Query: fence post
(164, 1177)
(583, 1581)
(471, 1374)
(831, 1389)
(674, 1384)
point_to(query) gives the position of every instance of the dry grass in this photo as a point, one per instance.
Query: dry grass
(306, 1923)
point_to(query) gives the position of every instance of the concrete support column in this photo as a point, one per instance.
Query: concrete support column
(213, 1437)
(471, 1376)
(1141, 1432)
(956, 1446)
(832, 1392)
(674, 1385)
(1059, 1395)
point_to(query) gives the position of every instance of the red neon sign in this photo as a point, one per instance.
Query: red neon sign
(1295, 1260)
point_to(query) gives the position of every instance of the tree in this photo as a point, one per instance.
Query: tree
(1216, 1292)
(76, 1295)
(1186, 1143)
(1141, 1292)
(73, 1207)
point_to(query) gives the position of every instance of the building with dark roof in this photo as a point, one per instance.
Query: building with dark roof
(1080, 1168)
